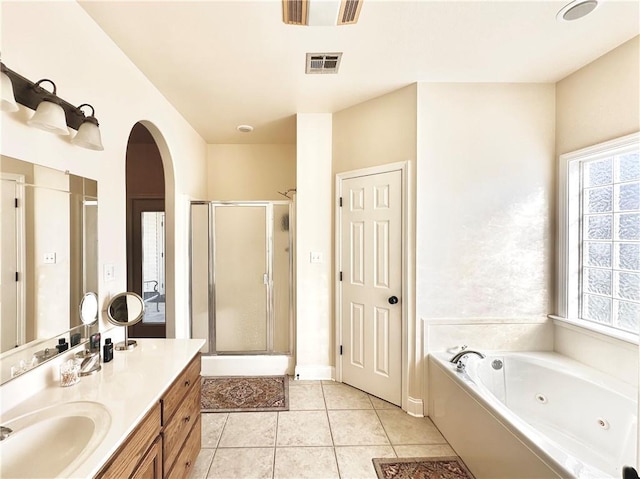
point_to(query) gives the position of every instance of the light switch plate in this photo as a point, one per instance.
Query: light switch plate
(109, 272)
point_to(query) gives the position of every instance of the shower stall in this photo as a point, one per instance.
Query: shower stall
(242, 296)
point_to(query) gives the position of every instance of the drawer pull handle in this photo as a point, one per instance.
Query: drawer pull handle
(187, 419)
(187, 383)
(188, 464)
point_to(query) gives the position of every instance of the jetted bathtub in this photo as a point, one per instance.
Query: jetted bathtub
(534, 415)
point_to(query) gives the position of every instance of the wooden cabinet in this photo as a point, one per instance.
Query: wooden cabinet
(151, 465)
(127, 458)
(181, 424)
(167, 441)
(188, 454)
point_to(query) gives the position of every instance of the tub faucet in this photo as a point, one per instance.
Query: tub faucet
(457, 359)
(5, 432)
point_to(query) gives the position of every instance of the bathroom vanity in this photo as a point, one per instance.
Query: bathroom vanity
(149, 419)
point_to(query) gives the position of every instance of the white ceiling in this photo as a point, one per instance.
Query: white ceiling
(225, 63)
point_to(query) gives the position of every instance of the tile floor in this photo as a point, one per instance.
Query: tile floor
(330, 431)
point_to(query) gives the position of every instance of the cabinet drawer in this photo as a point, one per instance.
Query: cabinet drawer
(187, 457)
(127, 457)
(176, 392)
(178, 427)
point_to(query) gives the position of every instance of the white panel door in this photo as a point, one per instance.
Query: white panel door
(371, 305)
(9, 311)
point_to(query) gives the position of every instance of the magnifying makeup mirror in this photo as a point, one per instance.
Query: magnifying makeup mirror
(125, 309)
(89, 308)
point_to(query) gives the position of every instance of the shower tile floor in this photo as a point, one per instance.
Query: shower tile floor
(330, 431)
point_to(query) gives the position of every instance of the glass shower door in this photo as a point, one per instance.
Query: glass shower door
(240, 278)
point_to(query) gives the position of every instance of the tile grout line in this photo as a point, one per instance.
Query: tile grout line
(215, 449)
(384, 429)
(275, 443)
(333, 443)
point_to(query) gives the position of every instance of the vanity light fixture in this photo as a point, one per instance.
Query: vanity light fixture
(88, 135)
(8, 100)
(49, 115)
(52, 113)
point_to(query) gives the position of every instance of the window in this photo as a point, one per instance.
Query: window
(599, 270)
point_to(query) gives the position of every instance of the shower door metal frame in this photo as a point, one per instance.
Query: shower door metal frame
(270, 298)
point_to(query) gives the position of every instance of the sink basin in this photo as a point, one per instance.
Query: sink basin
(53, 441)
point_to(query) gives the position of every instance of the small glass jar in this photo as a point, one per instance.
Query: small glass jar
(69, 373)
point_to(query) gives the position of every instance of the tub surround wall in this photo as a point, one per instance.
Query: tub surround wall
(612, 356)
(486, 334)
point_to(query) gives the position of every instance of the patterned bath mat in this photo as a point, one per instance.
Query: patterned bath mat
(450, 467)
(241, 394)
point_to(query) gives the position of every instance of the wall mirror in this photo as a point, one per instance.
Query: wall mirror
(125, 309)
(48, 258)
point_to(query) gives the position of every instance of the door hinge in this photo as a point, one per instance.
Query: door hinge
(340, 275)
(341, 350)
(17, 276)
(16, 202)
(341, 202)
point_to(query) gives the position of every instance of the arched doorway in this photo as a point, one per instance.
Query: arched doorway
(146, 256)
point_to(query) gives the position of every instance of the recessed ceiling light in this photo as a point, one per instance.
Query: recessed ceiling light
(244, 128)
(576, 10)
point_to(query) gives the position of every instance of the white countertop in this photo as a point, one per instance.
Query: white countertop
(128, 387)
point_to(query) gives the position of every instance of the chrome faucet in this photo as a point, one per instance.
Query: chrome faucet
(5, 432)
(457, 358)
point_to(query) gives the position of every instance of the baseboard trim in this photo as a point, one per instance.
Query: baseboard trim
(415, 407)
(247, 365)
(314, 373)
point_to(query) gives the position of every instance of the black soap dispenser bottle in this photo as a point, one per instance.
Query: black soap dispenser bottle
(62, 345)
(107, 350)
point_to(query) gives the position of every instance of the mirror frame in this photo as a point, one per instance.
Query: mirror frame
(90, 317)
(16, 361)
(127, 344)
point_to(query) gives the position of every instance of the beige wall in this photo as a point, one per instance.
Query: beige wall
(314, 318)
(601, 101)
(377, 132)
(94, 70)
(484, 207)
(250, 172)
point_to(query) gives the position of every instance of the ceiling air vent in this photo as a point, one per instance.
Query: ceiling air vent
(321, 13)
(349, 11)
(323, 62)
(294, 12)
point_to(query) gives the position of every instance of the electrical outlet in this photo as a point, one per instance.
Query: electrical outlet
(49, 258)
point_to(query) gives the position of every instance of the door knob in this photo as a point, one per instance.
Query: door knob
(393, 300)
